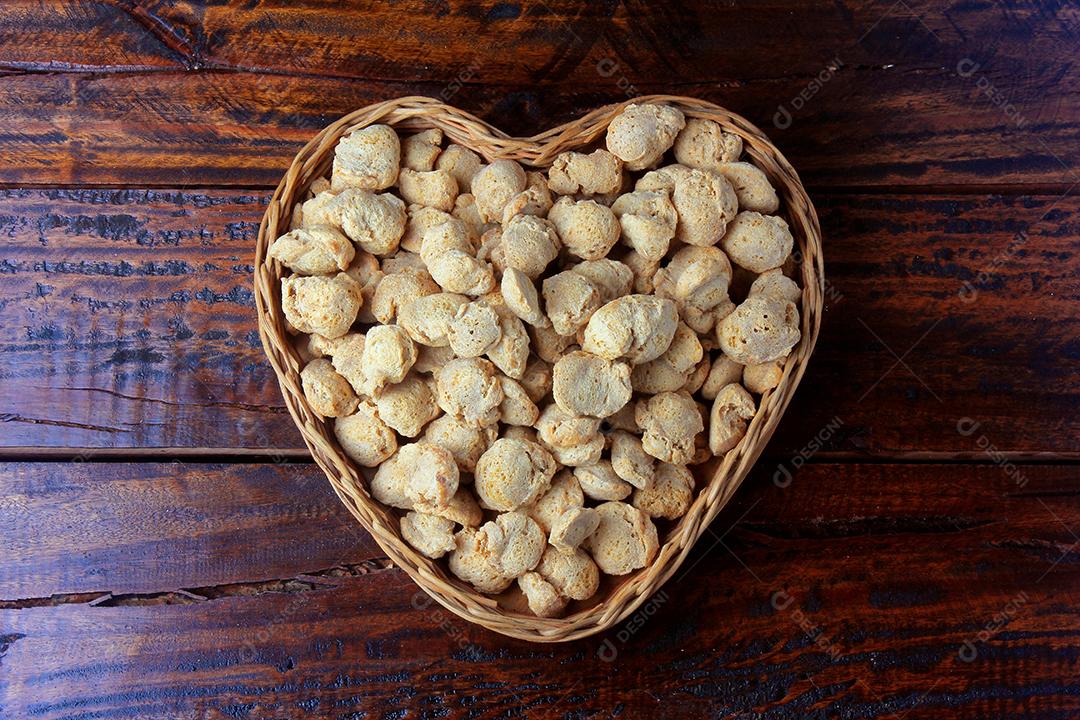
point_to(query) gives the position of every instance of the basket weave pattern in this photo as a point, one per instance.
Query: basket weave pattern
(717, 480)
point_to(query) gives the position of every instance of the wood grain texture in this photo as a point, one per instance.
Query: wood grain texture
(238, 128)
(121, 529)
(529, 43)
(126, 322)
(855, 591)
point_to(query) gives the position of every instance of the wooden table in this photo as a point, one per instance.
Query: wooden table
(907, 548)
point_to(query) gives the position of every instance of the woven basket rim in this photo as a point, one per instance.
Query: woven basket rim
(724, 474)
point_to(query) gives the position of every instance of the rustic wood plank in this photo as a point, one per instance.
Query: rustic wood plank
(858, 590)
(127, 322)
(81, 36)
(96, 528)
(515, 44)
(864, 128)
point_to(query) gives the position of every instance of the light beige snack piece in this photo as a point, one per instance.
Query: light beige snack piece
(564, 493)
(529, 244)
(429, 359)
(364, 436)
(517, 408)
(573, 574)
(630, 461)
(514, 543)
(698, 375)
(368, 158)
(558, 428)
(669, 495)
(419, 219)
(623, 420)
(495, 185)
(773, 283)
(460, 162)
(471, 562)
(408, 406)
(323, 305)
(587, 453)
(586, 228)
(670, 422)
(318, 185)
(511, 353)
(328, 393)
(419, 151)
(537, 379)
(431, 535)
(364, 269)
(544, 600)
(320, 210)
(399, 289)
(758, 242)
(512, 474)
(465, 210)
(572, 527)
(723, 371)
(673, 368)
(641, 134)
(570, 300)
(624, 541)
(761, 378)
(432, 188)
(427, 318)
(521, 297)
(548, 344)
(637, 327)
(319, 250)
(611, 278)
(535, 199)
(473, 330)
(405, 261)
(388, 356)
(662, 178)
(703, 144)
(695, 278)
(449, 252)
(462, 509)
(761, 329)
(704, 321)
(647, 220)
(643, 269)
(491, 249)
(347, 355)
(374, 222)
(574, 173)
(706, 203)
(731, 410)
(600, 482)
(520, 432)
(469, 389)
(465, 441)
(426, 474)
(752, 187)
(586, 384)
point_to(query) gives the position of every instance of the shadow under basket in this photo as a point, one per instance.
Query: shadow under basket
(717, 479)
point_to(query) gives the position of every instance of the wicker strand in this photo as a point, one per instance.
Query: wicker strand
(720, 477)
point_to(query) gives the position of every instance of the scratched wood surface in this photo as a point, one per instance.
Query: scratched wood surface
(907, 548)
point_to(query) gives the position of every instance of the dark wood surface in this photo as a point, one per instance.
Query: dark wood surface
(168, 551)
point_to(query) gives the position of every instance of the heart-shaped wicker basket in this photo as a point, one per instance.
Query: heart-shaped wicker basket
(717, 479)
